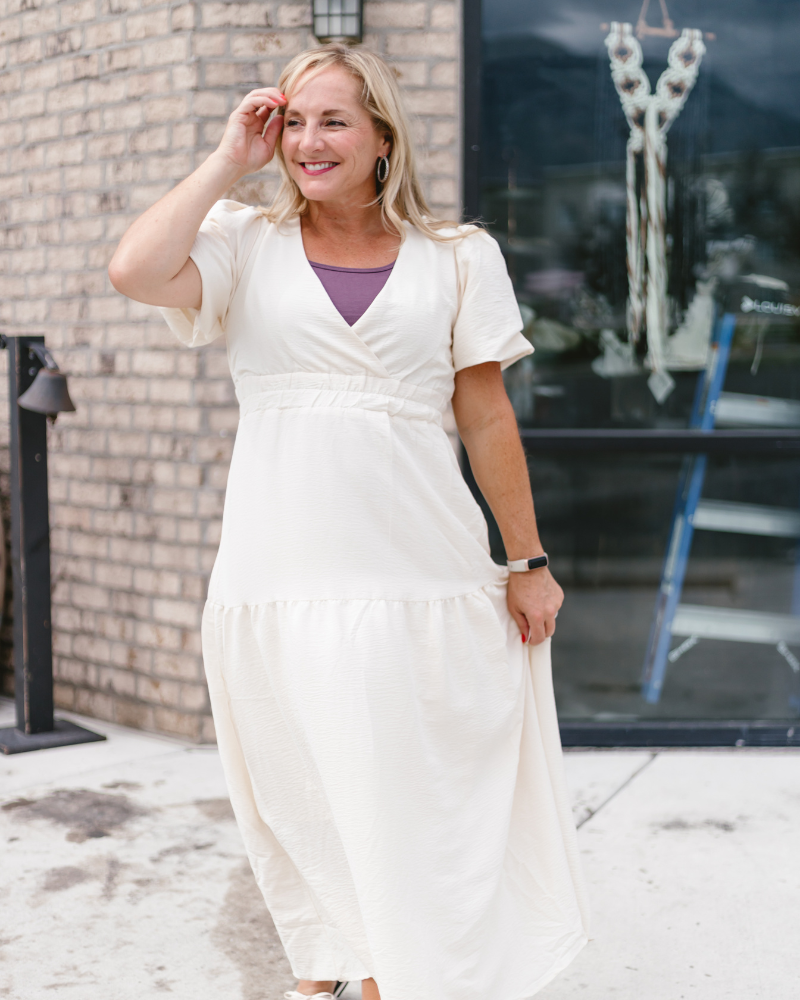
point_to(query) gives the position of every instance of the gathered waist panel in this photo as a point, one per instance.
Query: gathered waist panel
(303, 390)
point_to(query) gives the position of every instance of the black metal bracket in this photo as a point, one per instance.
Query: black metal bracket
(684, 441)
(687, 733)
(30, 556)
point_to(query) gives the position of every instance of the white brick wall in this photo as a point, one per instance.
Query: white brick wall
(104, 106)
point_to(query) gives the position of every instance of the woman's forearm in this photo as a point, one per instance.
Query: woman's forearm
(498, 464)
(151, 263)
(488, 429)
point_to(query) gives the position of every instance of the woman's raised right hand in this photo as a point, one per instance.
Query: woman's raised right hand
(243, 143)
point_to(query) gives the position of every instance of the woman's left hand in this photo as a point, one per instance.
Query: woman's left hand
(533, 600)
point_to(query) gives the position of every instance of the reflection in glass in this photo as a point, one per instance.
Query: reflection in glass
(623, 273)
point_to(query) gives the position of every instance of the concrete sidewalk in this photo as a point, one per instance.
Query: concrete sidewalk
(124, 878)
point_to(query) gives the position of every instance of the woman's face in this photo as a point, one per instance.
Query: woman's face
(329, 142)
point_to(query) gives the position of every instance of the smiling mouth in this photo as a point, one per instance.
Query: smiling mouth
(318, 168)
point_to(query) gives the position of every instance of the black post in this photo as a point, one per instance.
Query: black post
(30, 555)
(471, 91)
(30, 547)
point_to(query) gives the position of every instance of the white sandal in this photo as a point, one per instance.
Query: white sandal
(294, 995)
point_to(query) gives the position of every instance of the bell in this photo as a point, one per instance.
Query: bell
(48, 394)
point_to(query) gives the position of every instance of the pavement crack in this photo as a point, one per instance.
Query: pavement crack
(616, 791)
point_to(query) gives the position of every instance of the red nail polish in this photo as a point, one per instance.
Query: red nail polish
(524, 639)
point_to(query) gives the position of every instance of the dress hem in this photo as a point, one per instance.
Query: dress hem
(559, 966)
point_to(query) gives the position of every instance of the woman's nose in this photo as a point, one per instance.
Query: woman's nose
(311, 140)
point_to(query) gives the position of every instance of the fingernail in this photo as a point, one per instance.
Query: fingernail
(524, 639)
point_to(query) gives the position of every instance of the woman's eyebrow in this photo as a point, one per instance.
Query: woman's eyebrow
(323, 114)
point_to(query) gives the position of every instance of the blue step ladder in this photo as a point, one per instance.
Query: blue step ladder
(694, 622)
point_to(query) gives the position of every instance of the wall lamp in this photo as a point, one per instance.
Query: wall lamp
(338, 20)
(37, 391)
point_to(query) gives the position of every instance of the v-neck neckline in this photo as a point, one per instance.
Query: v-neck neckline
(332, 308)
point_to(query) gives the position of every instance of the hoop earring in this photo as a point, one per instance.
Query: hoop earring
(382, 169)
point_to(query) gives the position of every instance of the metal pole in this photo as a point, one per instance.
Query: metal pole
(30, 547)
(30, 553)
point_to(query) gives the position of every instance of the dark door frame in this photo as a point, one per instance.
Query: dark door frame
(655, 733)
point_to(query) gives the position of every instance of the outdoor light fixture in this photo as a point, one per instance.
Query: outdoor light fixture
(48, 392)
(37, 390)
(337, 20)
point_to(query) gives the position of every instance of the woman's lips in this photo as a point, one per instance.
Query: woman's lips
(315, 169)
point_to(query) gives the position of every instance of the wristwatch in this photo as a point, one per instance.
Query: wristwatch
(523, 565)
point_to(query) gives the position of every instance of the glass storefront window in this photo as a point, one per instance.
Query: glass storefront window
(640, 168)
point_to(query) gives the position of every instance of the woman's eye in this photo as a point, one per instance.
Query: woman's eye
(334, 121)
(290, 122)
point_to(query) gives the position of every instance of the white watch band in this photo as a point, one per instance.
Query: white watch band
(525, 565)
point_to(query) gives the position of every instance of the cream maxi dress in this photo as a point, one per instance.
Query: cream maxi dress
(390, 745)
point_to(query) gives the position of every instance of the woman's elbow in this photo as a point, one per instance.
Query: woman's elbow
(119, 274)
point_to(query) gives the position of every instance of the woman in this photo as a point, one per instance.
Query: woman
(381, 688)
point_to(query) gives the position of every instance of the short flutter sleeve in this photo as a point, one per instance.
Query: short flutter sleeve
(488, 324)
(220, 251)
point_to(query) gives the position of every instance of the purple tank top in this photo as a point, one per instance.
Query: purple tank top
(352, 289)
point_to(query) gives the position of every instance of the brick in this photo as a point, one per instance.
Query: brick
(97, 36)
(185, 77)
(26, 105)
(178, 666)
(208, 733)
(35, 22)
(444, 15)
(149, 140)
(61, 153)
(177, 723)
(84, 596)
(235, 15)
(210, 44)
(166, 50)
(118, 60)
(81, 123)
(11, 134)
(443, 133)
(165, 109)
(443, 192)
(442, 44)
(142, 197)
(9, 82)
(439, 162)
(226, 74)
(382, 14)
(445, 74)
(156, 82)
(210, 103)
(183, 614)
(193, 698)
(27, 51)
(63, 42)
(119, 6)
(66, 98)
(411, 74)
(77, 13)
(432, 102)
(154, 22)
(160, 584)
(284, 43)
(183, 17)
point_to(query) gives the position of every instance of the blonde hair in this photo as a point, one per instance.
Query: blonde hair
(401, 198)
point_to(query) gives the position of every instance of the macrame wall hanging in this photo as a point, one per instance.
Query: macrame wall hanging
(649, 116)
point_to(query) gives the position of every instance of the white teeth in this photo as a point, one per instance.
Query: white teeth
(318, 166)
